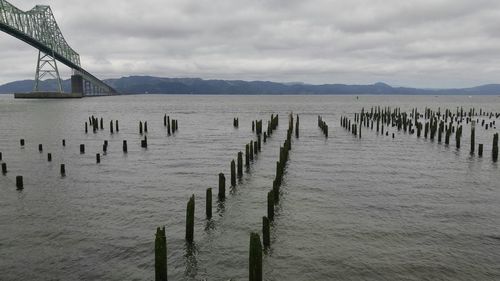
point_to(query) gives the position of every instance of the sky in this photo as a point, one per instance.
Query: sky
(417, 43)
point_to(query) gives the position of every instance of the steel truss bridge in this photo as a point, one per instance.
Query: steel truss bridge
(38, 28)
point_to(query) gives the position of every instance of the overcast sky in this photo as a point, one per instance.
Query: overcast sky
(421, 43)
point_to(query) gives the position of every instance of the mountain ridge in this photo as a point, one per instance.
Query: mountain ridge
(163, 85)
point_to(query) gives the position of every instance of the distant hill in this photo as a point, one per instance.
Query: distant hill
(157, 85)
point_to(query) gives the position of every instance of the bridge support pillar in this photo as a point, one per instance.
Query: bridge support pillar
(76, 84)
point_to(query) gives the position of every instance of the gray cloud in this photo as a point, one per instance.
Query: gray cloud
(423, 43)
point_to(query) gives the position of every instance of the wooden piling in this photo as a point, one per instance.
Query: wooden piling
(495, 148)
(251, 150)
(145, 126)
(4, 168)
(240, 164)
(255, 260)
(82, 148)
(21, 141)
(480, 150)
(49, 157)
(266, 233)
(86, 128)
(98, 158)
(125, 146)
(140, 127)
(472, 137)
(160, 255)
(208, 207)
(102, 124)
(190, 220)
(270, 205)
(19, 182)
(222, 187)
(63, 142)
(247, 155)
(63, 170)
(233, 173)
(40, 147)
(111, 126)
(297, 127)
(117, 127)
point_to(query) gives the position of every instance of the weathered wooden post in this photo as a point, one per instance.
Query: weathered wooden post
(222, 187)
(480, 150)
(140, 127)
(165, 120)
(117, 127)
(4, 168)
(145, 126)
(472, 137)
(296, 128)
(63, 142)
(102, 124)
(98, 158)
(19, 182)
(82, 148)
(247, 155)
(21, 142)
(0, 156)
(495, 148)
(251, 150)
(49, 157)
(63, 170)
(253, 126)
(259, 143)
(111, 126)
(86, 128)
(265, 137)
(208, 208)
(40, 148)
(190, 220)
(233, 173)
(125, 146)
(266, 233)
(255, 261)
(270, 205)
(160, 255)
(240, 164)
(255, 147)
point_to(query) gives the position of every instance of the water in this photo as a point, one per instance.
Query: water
(374, 208)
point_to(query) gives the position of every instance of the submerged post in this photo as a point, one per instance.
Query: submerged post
(255, 261)
(208, 208)
(222, 187)
(190, 220)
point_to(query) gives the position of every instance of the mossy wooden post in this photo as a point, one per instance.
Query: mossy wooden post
(297, 127)
(222, 187)
(208, 208)
(247, 155)
(116, 126)
(480, 150)
(160, 255)
(49, 157)
(190, 220)
(125, 146)
(233, 173)
(19, 182)
(255, 260)
(140, 127)
(63, 170)
(4, 168)
(270, 205)
(495, 148)
(472, 137)
(82, 149)
(251, 151)
(240, 164)
(266, 235)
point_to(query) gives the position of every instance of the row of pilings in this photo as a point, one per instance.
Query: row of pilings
(438, 125)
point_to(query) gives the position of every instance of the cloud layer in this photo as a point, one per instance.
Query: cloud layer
(421, 43)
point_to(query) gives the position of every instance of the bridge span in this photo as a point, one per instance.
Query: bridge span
(38, 28)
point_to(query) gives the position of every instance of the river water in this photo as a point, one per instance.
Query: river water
(374, 208)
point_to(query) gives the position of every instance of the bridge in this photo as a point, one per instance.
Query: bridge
(38, 28)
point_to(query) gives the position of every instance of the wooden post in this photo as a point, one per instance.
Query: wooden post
(251, 150)
(222, 187)
(102, 124)
(168, 125)
(208, 208)
(160, 255)
(165, 120)
(4, 168)
(40, 147)
(117, 127)
(472, 137)
(270, 205)
(98, 158)
(145, 126)
(266, 239)
(19, 182)
(190, 220)
(111, 126)
(247, 155)
(63, 170)
(480, 150)
(86, 128)
(495, 147)
(233, 173)
(297, 127)
(259, 143)
(82, 149)
(125, 146)
(22, 142)
(63, 142)
(0, 156)
(255, 261)
(240, 164)
(140, 127)
(49, 157)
